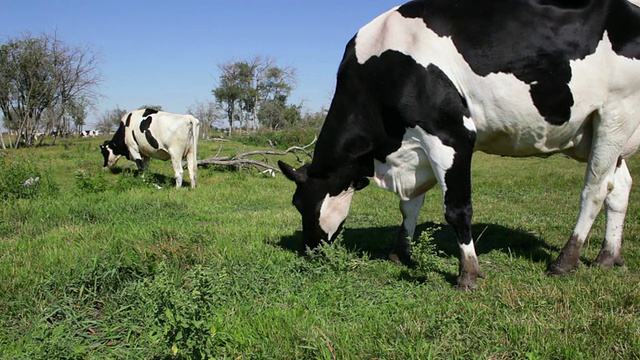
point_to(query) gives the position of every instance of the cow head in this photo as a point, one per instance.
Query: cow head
(110, 157)
(323, 201)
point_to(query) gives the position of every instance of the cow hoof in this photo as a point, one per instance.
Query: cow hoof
(558, 269)
(401, 259)
(608, 260)
(466, 286)
(467, 281)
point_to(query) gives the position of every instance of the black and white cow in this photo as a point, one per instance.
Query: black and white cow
(423, 86)
(89, 133)
(145, 134)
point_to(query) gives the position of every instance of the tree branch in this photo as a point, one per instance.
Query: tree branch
(241, 160)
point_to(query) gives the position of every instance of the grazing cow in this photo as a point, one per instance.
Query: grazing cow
(89, 133)
(423, 86)
(145, 134)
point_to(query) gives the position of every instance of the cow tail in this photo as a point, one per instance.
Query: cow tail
(195, 133)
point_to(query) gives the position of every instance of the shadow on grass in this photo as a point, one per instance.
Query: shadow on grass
(378, 243)
(159, 179)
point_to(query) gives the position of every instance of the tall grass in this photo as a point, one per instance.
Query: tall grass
(109, 266)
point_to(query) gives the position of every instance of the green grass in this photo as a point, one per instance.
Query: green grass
(101, 265)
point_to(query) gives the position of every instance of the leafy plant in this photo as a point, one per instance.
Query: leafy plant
(185, 316)
(21, 179)
(426, 256)
(334, 256)
(88, 182)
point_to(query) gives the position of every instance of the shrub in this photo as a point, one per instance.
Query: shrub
(294, 136)
(90, 183)
(23, 180)
(426, 256)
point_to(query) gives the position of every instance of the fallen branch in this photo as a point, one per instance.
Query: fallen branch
(241, 160)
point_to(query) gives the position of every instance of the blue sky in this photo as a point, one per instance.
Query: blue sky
(167, 52)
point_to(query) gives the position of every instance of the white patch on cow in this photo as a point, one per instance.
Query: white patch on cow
(468, 251)
(334, 210)
(413, 169)
(469, 124)
(635, 2)
(112, 159)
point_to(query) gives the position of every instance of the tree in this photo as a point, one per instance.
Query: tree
(110, 120)
(151, 107)
(276, 114)
(230, 90)
(208, 112)
(246, 86)
(39, 75)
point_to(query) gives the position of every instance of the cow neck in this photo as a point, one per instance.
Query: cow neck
(117, 142)
(344, 146)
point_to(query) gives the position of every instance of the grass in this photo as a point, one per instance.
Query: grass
(101, 265)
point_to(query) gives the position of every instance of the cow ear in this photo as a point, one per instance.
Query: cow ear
(361, 183)
(291, 173)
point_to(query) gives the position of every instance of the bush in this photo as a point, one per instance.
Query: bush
(427, 258)
(96, 182)
(283, 139)
(23, 180)
(90, 183)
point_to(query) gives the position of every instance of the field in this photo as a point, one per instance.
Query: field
(104, 265)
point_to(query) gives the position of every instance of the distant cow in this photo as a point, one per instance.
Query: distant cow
(145, 134)
(423, 86)
(89, 133)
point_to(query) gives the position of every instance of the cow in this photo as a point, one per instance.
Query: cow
(426, 84)
(89, 133)
(146, 133)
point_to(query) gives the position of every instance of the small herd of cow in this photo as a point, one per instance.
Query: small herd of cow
(424, 85)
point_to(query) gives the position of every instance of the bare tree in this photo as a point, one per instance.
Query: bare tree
(43, 74)
(152, 107)
(209, 114)
(109, 120)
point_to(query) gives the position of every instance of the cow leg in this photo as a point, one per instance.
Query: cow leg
(140, 165)
(176, 161)
(599, 179)
(454, 176)
(458, 213)
(410, 210)
(616, 206)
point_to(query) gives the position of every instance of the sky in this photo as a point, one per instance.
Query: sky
(167, 52)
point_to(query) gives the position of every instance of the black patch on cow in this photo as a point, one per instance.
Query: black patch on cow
(623, 28)
(148, 112)
(375, 103)
(532, 39)
(128, 122)
(145, 124)
(151, 140)
(133, 135)
(117, 143)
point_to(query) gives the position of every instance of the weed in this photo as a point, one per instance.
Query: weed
(22, 179)
(87, 182)
(185, 316)
(334, 256)
(426, 256)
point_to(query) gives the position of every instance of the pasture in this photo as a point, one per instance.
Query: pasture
(97, 265)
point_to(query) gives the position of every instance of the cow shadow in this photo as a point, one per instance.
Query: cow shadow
(378, 242)
(150, 177)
